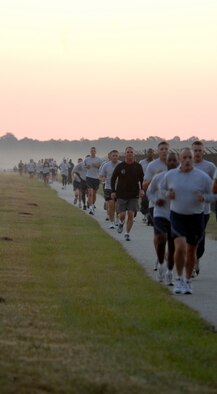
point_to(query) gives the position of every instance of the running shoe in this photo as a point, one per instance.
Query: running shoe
(161, 273)
(155, 266)
(127, 237)
(112, 225)
(179, 286)
(84, 207)
(188, 287)
(169, 278)
(120, 227)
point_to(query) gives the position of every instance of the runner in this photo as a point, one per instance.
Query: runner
(20, 167)
(105, 173)
(31, 168)
(126, 186)
(92, 164)
(46, 172)
(156, 166)
(162, 228)
(64, 172)
(185, 187)
(80, 171)
(149, 156)
(209, 168)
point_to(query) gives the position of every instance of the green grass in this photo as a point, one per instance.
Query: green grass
(78, 315)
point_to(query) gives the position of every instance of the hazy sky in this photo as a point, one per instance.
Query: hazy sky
(97, 68)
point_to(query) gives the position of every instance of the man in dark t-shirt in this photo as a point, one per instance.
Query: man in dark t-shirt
(126, 186)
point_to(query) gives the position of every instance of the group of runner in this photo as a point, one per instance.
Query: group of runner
(177, 189)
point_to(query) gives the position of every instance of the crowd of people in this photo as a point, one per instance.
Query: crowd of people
(173, 191)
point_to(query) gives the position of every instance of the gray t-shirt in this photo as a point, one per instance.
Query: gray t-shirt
(154, 167)
(79, 168)
(92, 172)
(206, 166)
(186, 186)
(144, 163)
(209, 168)
(106, 171)
(154, 193)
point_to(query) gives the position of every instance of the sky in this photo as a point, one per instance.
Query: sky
(118, 68)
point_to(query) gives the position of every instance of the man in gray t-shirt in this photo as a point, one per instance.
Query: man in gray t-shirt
(209, 168)
(185, 188)
(92, 163)
(105, 174)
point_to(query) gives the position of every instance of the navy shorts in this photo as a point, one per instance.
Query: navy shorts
(107, 194)
(189, 226)
(92, 183)
(162, 226)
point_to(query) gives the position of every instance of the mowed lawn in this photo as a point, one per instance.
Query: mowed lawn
(78, 315)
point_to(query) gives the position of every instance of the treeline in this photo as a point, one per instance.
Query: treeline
(12, 149)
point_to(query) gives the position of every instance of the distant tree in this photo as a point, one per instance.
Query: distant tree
(8, 137)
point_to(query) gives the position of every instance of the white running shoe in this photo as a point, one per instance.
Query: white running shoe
(112, 225)
(169, 278)
(179, 286)
(161, 273)
(188, 287)
(155, 266)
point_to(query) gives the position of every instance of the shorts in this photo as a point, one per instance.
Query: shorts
(189, 226)
(107, 194)
(92, 183)
(131, 204)
(162, 226)
(83, 184)
(76, 185)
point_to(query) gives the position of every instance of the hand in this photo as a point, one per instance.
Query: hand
(199, 197)
(160, 202)
(113, 195)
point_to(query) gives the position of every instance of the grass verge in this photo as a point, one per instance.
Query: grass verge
(78, 315)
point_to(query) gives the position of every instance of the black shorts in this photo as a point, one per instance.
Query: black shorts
(189, 226)
(162, 226)
(76, 185)
(83, 184)
(92, 183)
(107, 194)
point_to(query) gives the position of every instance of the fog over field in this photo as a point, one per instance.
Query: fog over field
(13, 150)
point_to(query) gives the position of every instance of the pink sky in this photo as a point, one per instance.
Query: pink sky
(132, 70)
